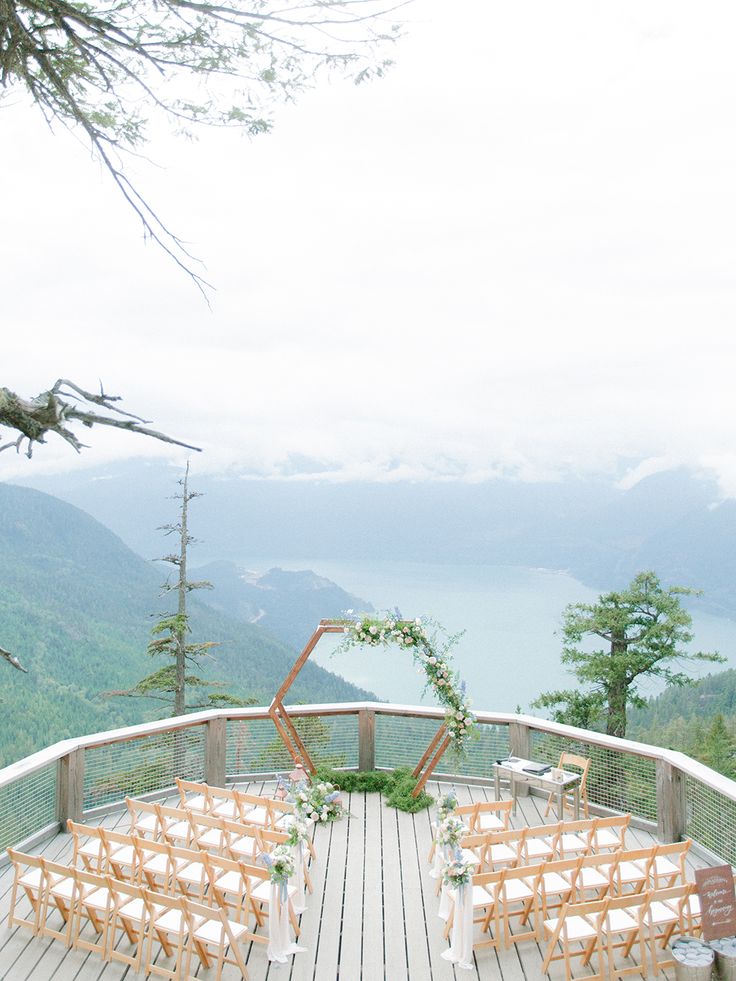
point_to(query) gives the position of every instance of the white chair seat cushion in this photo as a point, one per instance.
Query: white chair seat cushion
(537, 848)
(31, 879)
(693, 905)
(514, 890)
(198, 803)
(64, 888)
(212, 932)
(171, 921)
(98, 899)
(259, 815)
(481, 897)
(576, 927)
(594, 878)
(469, 855)
(489, 822)
(553, 884)
(213, 838)
(572, 843)
(606, 838)
(620, 921)
(231, 882)
(244, 846)
(663, 866)
(159, 864)
(135, 910)
(125, 855)
(502, 854)
(194, 872)
(91, 848)
(661, 913)
(226, 808)
(179, 830)
(631, 872)
(262, 892)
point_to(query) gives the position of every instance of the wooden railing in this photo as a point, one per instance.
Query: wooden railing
(79, 778)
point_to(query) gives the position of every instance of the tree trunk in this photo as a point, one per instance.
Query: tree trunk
(181, 639)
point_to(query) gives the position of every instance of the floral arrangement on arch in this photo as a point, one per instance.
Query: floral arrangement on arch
(431, 656)
(318, 802)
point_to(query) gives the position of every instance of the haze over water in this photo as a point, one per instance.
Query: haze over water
(511, 616)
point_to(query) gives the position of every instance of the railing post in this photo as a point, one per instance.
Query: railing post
(366, 739)
(671, 802)
(215, 747)
(70, 787)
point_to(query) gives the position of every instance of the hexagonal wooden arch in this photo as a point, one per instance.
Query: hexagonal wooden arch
(293, 742)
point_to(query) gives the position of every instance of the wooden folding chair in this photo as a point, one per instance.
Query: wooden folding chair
(578, 923)
(540, 844)
(230, 886)
(130, 916)
(576, 838)
(668, 868)
(667, 913)
(211, 935)
(28, 876)
(596, 873)
(484, 886)
(581, 763)
(519, 887)
(60, 893)
(92, 902)
(609, 833)
(634, 870)
(624, 917)
(167, 924)
(202, 800)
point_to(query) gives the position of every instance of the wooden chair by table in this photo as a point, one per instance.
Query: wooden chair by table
(581, 763)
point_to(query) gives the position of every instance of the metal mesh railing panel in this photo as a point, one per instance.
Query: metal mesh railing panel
(254, 745)
(619, 781)
(711, 819)
(402, 741)
(27, 805)
(143, 765)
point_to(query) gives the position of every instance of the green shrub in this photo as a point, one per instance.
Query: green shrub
(395, 785)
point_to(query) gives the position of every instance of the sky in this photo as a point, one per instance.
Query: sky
(514, 256)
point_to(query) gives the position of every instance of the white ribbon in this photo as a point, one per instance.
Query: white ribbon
(297, 857)
(439, 857)
(280, 945)
(461, 938)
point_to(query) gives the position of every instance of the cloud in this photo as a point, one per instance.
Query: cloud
(514, 256)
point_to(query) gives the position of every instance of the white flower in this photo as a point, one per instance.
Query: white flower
(374, 629)
(314, 816)
(433, 660)
(458, 715)
(418, 621)
(323, 817)
(468, 720)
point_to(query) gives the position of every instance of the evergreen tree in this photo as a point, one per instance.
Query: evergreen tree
(645, 631)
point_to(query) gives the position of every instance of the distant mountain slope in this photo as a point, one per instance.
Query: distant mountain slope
(288, 604)
(76, 605)
(672, 522)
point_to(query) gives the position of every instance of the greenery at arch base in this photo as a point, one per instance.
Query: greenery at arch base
(396, 786)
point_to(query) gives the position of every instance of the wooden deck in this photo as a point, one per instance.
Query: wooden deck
(372, 916)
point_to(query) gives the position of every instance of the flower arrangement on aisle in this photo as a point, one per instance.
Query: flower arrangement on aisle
(446, 804)
(297, 832)
(280, 867)
(457, 872)
(318, 802)
(450, 831)
(432, 656)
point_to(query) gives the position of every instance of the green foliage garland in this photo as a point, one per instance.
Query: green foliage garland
(434, 659)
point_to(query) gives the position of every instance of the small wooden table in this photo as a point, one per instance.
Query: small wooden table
(515, 769)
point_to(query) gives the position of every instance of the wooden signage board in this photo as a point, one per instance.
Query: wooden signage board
(718, 901)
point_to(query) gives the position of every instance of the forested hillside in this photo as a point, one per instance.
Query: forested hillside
(76, 607)
(698, 719)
